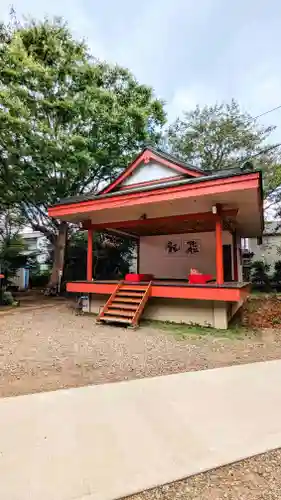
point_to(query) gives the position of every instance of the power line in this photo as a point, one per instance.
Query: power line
(265, 150)
(267, 112)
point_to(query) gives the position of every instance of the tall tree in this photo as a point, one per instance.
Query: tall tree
(68, 122)
(216, 137)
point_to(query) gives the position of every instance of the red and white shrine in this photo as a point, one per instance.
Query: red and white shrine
(188, 225)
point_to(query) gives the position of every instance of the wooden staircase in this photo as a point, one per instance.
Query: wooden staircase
(126, 304)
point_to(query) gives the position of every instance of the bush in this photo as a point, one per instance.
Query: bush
(6, 298)
(39, 280)
(260, 276)
(277, 272)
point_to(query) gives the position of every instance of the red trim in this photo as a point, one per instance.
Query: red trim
(235, 261)
(171, 292)
(90, 255)
(228, 184)
(147, 156)
(219, 251)
(161, 220)
(151, 183)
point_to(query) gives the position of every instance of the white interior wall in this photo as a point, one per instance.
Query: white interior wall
(153, 258)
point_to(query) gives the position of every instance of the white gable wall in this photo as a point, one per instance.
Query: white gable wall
(153, 259)
(151, 171)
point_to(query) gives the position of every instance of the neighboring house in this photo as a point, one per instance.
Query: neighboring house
(36, 245)
(270, 249)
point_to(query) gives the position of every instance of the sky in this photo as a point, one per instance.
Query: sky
(190, 51)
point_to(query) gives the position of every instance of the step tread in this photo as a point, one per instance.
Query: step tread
(120, 312)
(115, 319)
(125, 300)
(129, 294)
(123, 305)
(133, 288)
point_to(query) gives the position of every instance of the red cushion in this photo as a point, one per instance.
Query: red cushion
(199, 279)
(138, 277)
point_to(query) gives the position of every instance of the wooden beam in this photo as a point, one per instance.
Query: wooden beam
(122, 234)
(161, 220)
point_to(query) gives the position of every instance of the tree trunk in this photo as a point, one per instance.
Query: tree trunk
(59, 253)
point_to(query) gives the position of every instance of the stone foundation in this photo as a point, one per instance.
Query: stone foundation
(214, 314)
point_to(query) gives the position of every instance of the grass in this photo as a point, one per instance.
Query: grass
(255, 294)
(182, 331)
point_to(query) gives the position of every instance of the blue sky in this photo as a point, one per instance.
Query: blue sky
(190, 51)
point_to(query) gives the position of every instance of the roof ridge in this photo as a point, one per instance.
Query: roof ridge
(175, 159)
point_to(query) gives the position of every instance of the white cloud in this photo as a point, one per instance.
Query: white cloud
(186, 99)
(190, 52)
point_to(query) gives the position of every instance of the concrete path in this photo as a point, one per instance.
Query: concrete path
(104, 442)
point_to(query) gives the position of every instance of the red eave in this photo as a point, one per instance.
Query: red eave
(145, 157)
(206, 187)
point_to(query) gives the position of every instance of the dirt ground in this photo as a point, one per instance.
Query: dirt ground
(51, 348)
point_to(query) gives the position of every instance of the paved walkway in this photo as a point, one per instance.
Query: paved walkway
(104, 442)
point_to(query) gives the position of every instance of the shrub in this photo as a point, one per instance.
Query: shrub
(39, 280)
(260, 276)
(277, 272)
(6, 298)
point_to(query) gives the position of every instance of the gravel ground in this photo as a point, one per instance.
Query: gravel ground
(52, 348)
(257, 478)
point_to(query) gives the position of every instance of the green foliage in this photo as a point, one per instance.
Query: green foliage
(68, 122)
(111, 257)
(260, 274)
(39, 280)
(216, 137)
(272, 184)
(6, 298)
(11, 244)
(277, 272)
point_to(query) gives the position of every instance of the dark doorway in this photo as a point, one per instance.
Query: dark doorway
(227, 263)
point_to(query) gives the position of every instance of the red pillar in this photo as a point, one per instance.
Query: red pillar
(90, 255)
(219, 252)
(235, 258)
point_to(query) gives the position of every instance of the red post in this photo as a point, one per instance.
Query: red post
(235, 258)
(90, 255)
(219, 252)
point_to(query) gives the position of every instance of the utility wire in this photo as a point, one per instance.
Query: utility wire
(267, 112)
(265, 150)
(270, 148)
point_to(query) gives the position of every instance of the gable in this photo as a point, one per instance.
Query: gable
(153, 166)
(150, 172)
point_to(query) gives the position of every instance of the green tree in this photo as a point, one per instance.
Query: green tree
(68, 122)
(112, 256)
(260, 275)
(12, 246)
(216, 137)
